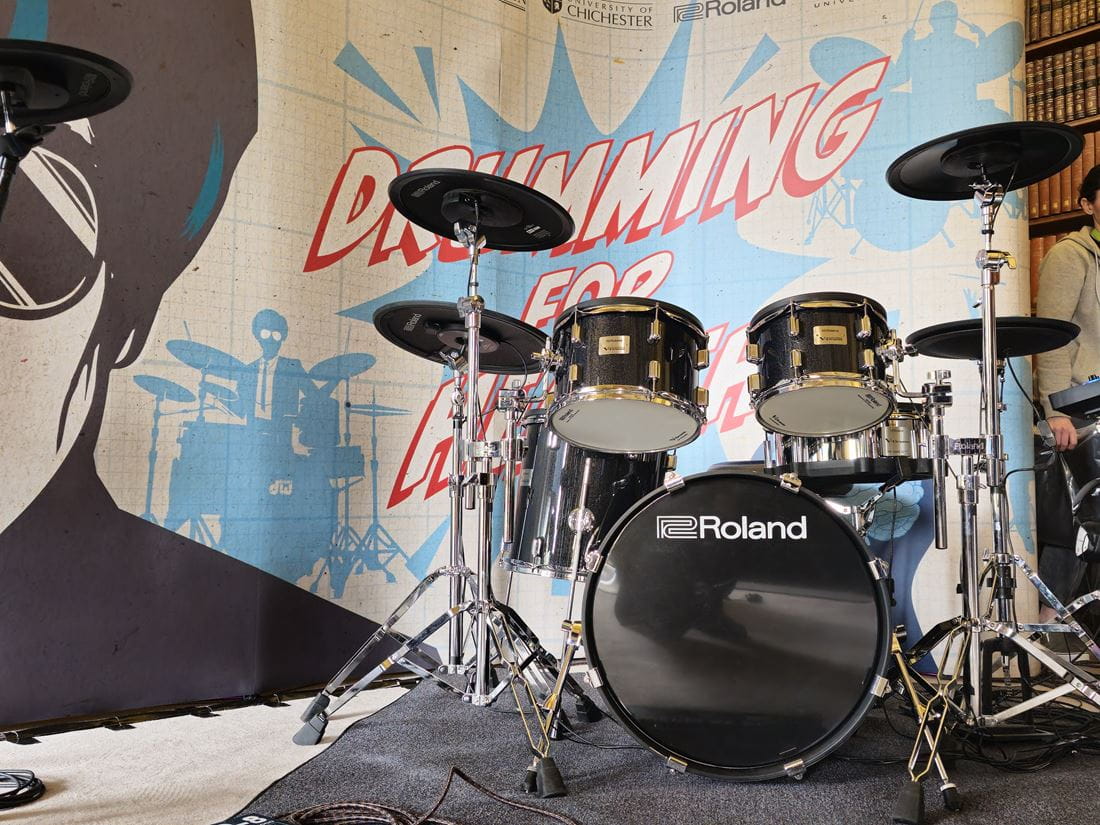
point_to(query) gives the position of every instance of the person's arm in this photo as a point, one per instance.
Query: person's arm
(1061, 278)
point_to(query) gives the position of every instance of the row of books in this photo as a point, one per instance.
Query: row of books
(1063, 86)
(1049, 18)
(1039, 247)
(1058, 193)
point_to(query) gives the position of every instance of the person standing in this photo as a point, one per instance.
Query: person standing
(1069, 289)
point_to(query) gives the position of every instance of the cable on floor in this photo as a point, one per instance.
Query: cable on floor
(372, 813)
(19, 788)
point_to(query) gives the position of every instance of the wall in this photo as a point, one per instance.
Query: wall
(714, 155)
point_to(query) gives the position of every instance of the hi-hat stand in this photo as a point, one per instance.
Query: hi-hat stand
(986, 163)
(470, 203)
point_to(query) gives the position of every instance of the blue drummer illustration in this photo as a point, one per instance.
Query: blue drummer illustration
(266, 464)
(941, 72)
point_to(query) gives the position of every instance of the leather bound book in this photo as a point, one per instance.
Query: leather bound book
(1030, 89)
(1033, 266)
(1091, 97)
(1048, 79)
(1044, 197)
(1078, 74)
(1059, 80)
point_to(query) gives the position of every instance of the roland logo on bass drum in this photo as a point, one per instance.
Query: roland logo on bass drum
(702, 527)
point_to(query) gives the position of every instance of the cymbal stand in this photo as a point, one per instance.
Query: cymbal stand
(15, 142)
(499, 633)
(983, 462)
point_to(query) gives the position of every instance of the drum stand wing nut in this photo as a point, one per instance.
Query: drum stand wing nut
(469, 304)
(548, 358)
(994, 260)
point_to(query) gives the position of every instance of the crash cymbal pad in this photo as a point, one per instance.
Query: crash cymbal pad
(512, 217)
(1012, 155)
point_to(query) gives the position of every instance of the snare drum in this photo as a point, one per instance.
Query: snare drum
(900, 445)
(628, 376)
(560, 515)
(819, 371)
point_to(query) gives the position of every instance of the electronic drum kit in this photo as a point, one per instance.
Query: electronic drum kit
(710, 600)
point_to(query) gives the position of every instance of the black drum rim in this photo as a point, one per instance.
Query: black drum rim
(774, 307)
(672, 310)
(820, 749)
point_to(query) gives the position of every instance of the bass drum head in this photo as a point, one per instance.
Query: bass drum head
(823, 410)
(736, 626)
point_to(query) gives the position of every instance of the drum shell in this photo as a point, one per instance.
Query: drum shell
(676, 349)
(548, 491)
(905, 433)
(781, 450)
(608, 349)
(666, 580)
(819, 337)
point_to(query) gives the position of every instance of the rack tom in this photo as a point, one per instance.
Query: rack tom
(819, 369)
(628, 377)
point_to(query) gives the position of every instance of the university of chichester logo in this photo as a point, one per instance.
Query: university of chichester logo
(701, 527)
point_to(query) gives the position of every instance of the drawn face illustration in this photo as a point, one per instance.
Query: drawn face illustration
(106, 213)
(270, 329)
(47, 315)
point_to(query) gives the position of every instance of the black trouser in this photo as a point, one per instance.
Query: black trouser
(1059, 566)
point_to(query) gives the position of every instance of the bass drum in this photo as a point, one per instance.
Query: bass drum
(736, 627)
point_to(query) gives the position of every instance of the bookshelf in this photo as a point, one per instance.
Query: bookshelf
(1061, 70)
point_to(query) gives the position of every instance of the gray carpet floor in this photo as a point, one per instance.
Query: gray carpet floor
(401, 756)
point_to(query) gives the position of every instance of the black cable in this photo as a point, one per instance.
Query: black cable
(580, 740)
(1035, 407)
(373, 813)
(18, 787)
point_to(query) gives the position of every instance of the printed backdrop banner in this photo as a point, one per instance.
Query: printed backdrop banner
(717, 155)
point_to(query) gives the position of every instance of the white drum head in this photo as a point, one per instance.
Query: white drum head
(823, 410)
(623, 425)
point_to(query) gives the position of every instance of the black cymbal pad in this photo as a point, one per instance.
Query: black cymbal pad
(511, 216)
(54, 84)
(1016, 336)
(1013, 155)
(434, 329)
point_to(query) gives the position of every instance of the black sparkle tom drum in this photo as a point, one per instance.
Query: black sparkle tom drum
(628, 381)
(568, 498)
(819, 370)
(737, 627)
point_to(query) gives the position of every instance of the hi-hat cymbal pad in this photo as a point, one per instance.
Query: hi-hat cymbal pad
(436, 330)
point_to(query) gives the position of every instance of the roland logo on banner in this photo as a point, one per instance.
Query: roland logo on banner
(703, 527)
